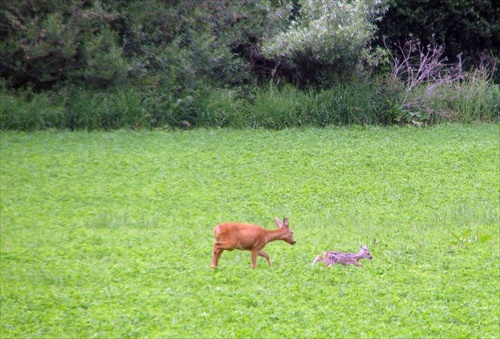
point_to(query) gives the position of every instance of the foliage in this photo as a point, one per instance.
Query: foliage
(468, 28)
(384, 102)
(433, 89)
(69, 109)
(110, 234)
(473, 99)
(104, 44)
(179, 64)
(328, 40)
(25, 111)
(45, 43)
(289, 107)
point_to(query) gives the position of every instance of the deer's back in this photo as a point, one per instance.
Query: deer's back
(238, 235)
(340, 257)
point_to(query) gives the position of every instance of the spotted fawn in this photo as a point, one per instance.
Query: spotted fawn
(331, 258)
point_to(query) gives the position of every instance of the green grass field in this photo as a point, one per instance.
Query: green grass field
(111, 234)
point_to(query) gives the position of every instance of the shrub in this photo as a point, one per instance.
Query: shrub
(44, 44)
(328, 41)
(474, 99)
(433, 90)
(469, 28)
(52, 42)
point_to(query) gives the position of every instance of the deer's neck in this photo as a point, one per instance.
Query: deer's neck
(273, 235)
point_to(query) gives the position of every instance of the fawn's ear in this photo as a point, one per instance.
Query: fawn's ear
(363, 247)
(285, 222)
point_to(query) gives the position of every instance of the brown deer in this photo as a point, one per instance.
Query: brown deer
(331, 258)
(249, 237)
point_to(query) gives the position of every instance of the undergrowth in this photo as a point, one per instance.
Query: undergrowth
(383, 102)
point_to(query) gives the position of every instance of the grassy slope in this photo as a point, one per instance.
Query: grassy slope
(110, 234)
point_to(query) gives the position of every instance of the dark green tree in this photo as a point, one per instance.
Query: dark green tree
(43, 43)
(102, 44)
(467, 27)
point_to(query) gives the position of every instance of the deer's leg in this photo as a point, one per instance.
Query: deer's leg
(216, 256)
(254, 259)
(265, 255)
(318, 258)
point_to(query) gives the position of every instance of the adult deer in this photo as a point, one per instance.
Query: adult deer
(249, 237)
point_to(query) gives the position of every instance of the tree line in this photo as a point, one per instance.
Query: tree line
(173, 53)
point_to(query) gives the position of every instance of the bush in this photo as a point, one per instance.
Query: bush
(469, 28)
(329, 40)
(432, 90)
(45, 44)
(474, 99)
(52, 42)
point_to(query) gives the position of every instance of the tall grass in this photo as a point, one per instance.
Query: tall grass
(472, 99)
(104, 110)
(288, 106)
(27, 111)
(476, 99)
(275, 108)
(219, 108)
(432, 90)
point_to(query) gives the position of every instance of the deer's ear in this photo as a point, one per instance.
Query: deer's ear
(363, 247)
(285, 222)
(277, 222)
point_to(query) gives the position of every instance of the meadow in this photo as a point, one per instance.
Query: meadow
(110, 234)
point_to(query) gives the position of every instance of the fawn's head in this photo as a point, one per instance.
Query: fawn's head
(364, 253)
(287, 232)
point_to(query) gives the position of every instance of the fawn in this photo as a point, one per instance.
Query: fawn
(331, 258)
